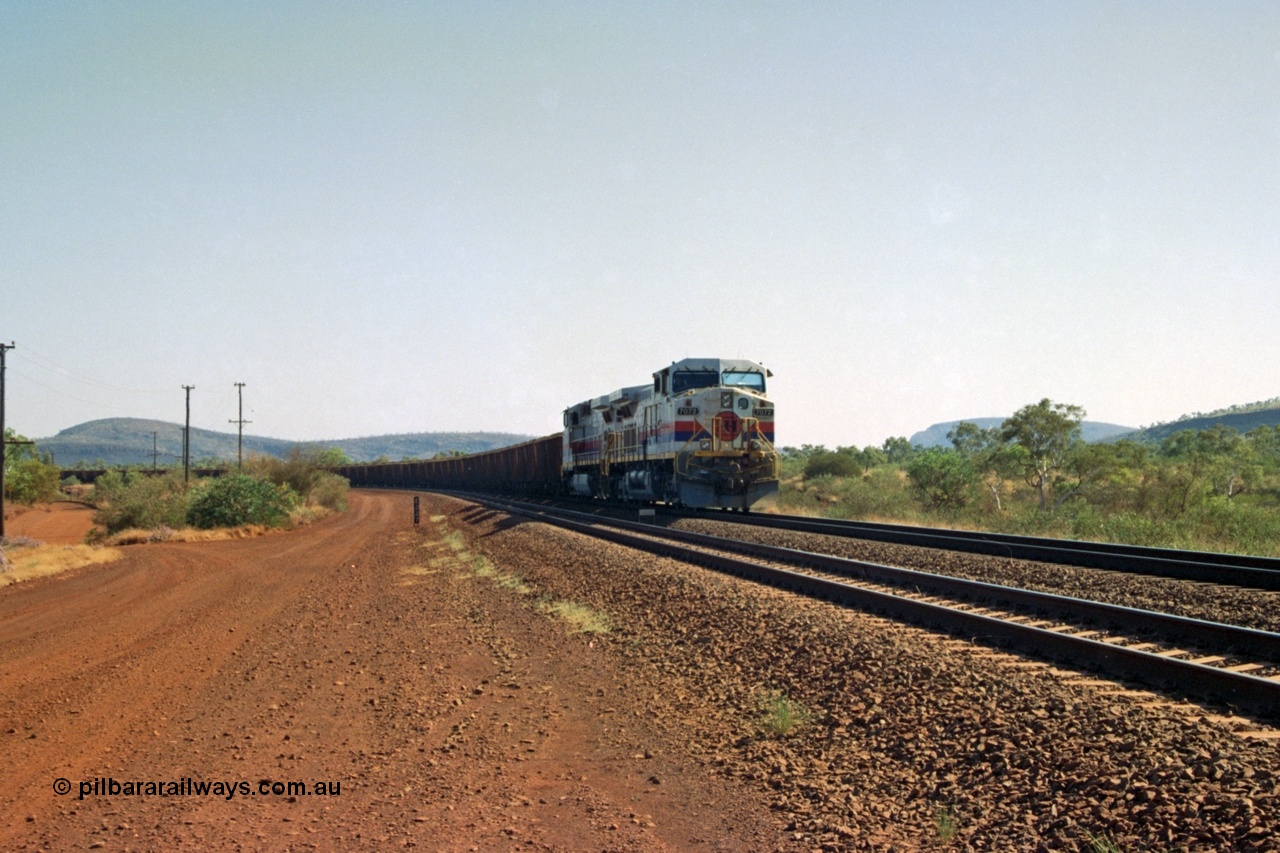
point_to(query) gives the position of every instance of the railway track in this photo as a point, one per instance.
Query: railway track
(1247, 571)
(1220, 663)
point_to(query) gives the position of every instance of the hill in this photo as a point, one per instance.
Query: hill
(1091, 431)
(129, 441)
(1240, 418)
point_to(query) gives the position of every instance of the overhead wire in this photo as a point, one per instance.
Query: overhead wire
(222, 404)
(58, 391)
(44, 362)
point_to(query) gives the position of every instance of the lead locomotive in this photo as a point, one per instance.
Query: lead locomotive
(700, 435)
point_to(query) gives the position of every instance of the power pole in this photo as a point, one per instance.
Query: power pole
(241, 422)
(155, 451)
(4, 441)
(186, 439)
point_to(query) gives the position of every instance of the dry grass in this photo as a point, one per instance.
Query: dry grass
(135, 536)
(138, 536)
(41, 560)
(580, 618)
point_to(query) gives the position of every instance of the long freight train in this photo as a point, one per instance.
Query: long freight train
(700, 435)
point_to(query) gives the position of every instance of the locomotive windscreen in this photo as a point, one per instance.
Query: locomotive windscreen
(744, 379)
(687, 380)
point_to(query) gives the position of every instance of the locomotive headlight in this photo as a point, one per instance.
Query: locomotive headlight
(705, 444)
(755, 445)
(744, 403)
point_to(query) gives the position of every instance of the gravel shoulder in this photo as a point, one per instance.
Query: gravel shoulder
(358, 651)
(914, 740)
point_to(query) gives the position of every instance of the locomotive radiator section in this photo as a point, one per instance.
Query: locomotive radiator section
(701, 435)
(730, 462)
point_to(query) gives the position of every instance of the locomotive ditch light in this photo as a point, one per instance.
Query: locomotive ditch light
(705, 444)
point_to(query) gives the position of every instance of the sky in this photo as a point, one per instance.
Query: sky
(456, 216)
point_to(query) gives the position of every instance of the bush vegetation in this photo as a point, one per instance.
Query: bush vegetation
(29, 477)
(133, 500)
(270, 493)
(302, 472)
(237, 499)
(1208, 489)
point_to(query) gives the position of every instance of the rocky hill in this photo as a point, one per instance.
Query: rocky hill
(130, 441)
(1241, 421)
(1092, 431)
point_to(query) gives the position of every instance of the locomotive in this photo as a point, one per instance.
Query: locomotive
(700, 436)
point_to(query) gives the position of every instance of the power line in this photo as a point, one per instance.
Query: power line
(35, 381)
(46, 363)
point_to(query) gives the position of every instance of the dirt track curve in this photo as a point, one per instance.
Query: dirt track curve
(451, 715)
(60, 523)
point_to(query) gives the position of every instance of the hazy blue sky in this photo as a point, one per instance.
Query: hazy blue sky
(467, 216)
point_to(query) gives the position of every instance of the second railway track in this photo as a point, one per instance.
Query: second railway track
(1227, 664)
(1243, 570)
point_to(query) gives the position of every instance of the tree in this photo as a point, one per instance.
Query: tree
(943, 479)
(29, 477)
(1049, 433)
(330, 457)
(1114, 475)
(993, 462)
(898, 449)
(1218, 458)
(32, 480)
(837, 464)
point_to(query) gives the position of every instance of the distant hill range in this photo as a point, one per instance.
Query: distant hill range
(1241, 418)
(1092, 431)
(129, 441)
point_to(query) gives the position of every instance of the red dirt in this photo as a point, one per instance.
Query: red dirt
(60, 523)
(453, 717)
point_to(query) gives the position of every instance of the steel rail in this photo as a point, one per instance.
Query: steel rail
(1244, 570)
(1255, 695)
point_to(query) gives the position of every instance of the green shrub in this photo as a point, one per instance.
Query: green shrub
(135, 500)
(301, 471)
(835, 464)
(330, 490)
(943, 479)
(31, 480)
(238, 499)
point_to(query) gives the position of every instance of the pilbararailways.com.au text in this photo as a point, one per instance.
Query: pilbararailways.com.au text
(188, 787)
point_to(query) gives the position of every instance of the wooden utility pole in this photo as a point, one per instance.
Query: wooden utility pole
(240, 432)
(155, 451)
(186, 439)
(4, 441)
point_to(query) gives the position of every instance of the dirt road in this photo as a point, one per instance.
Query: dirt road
(435, 711)
(59, 523)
